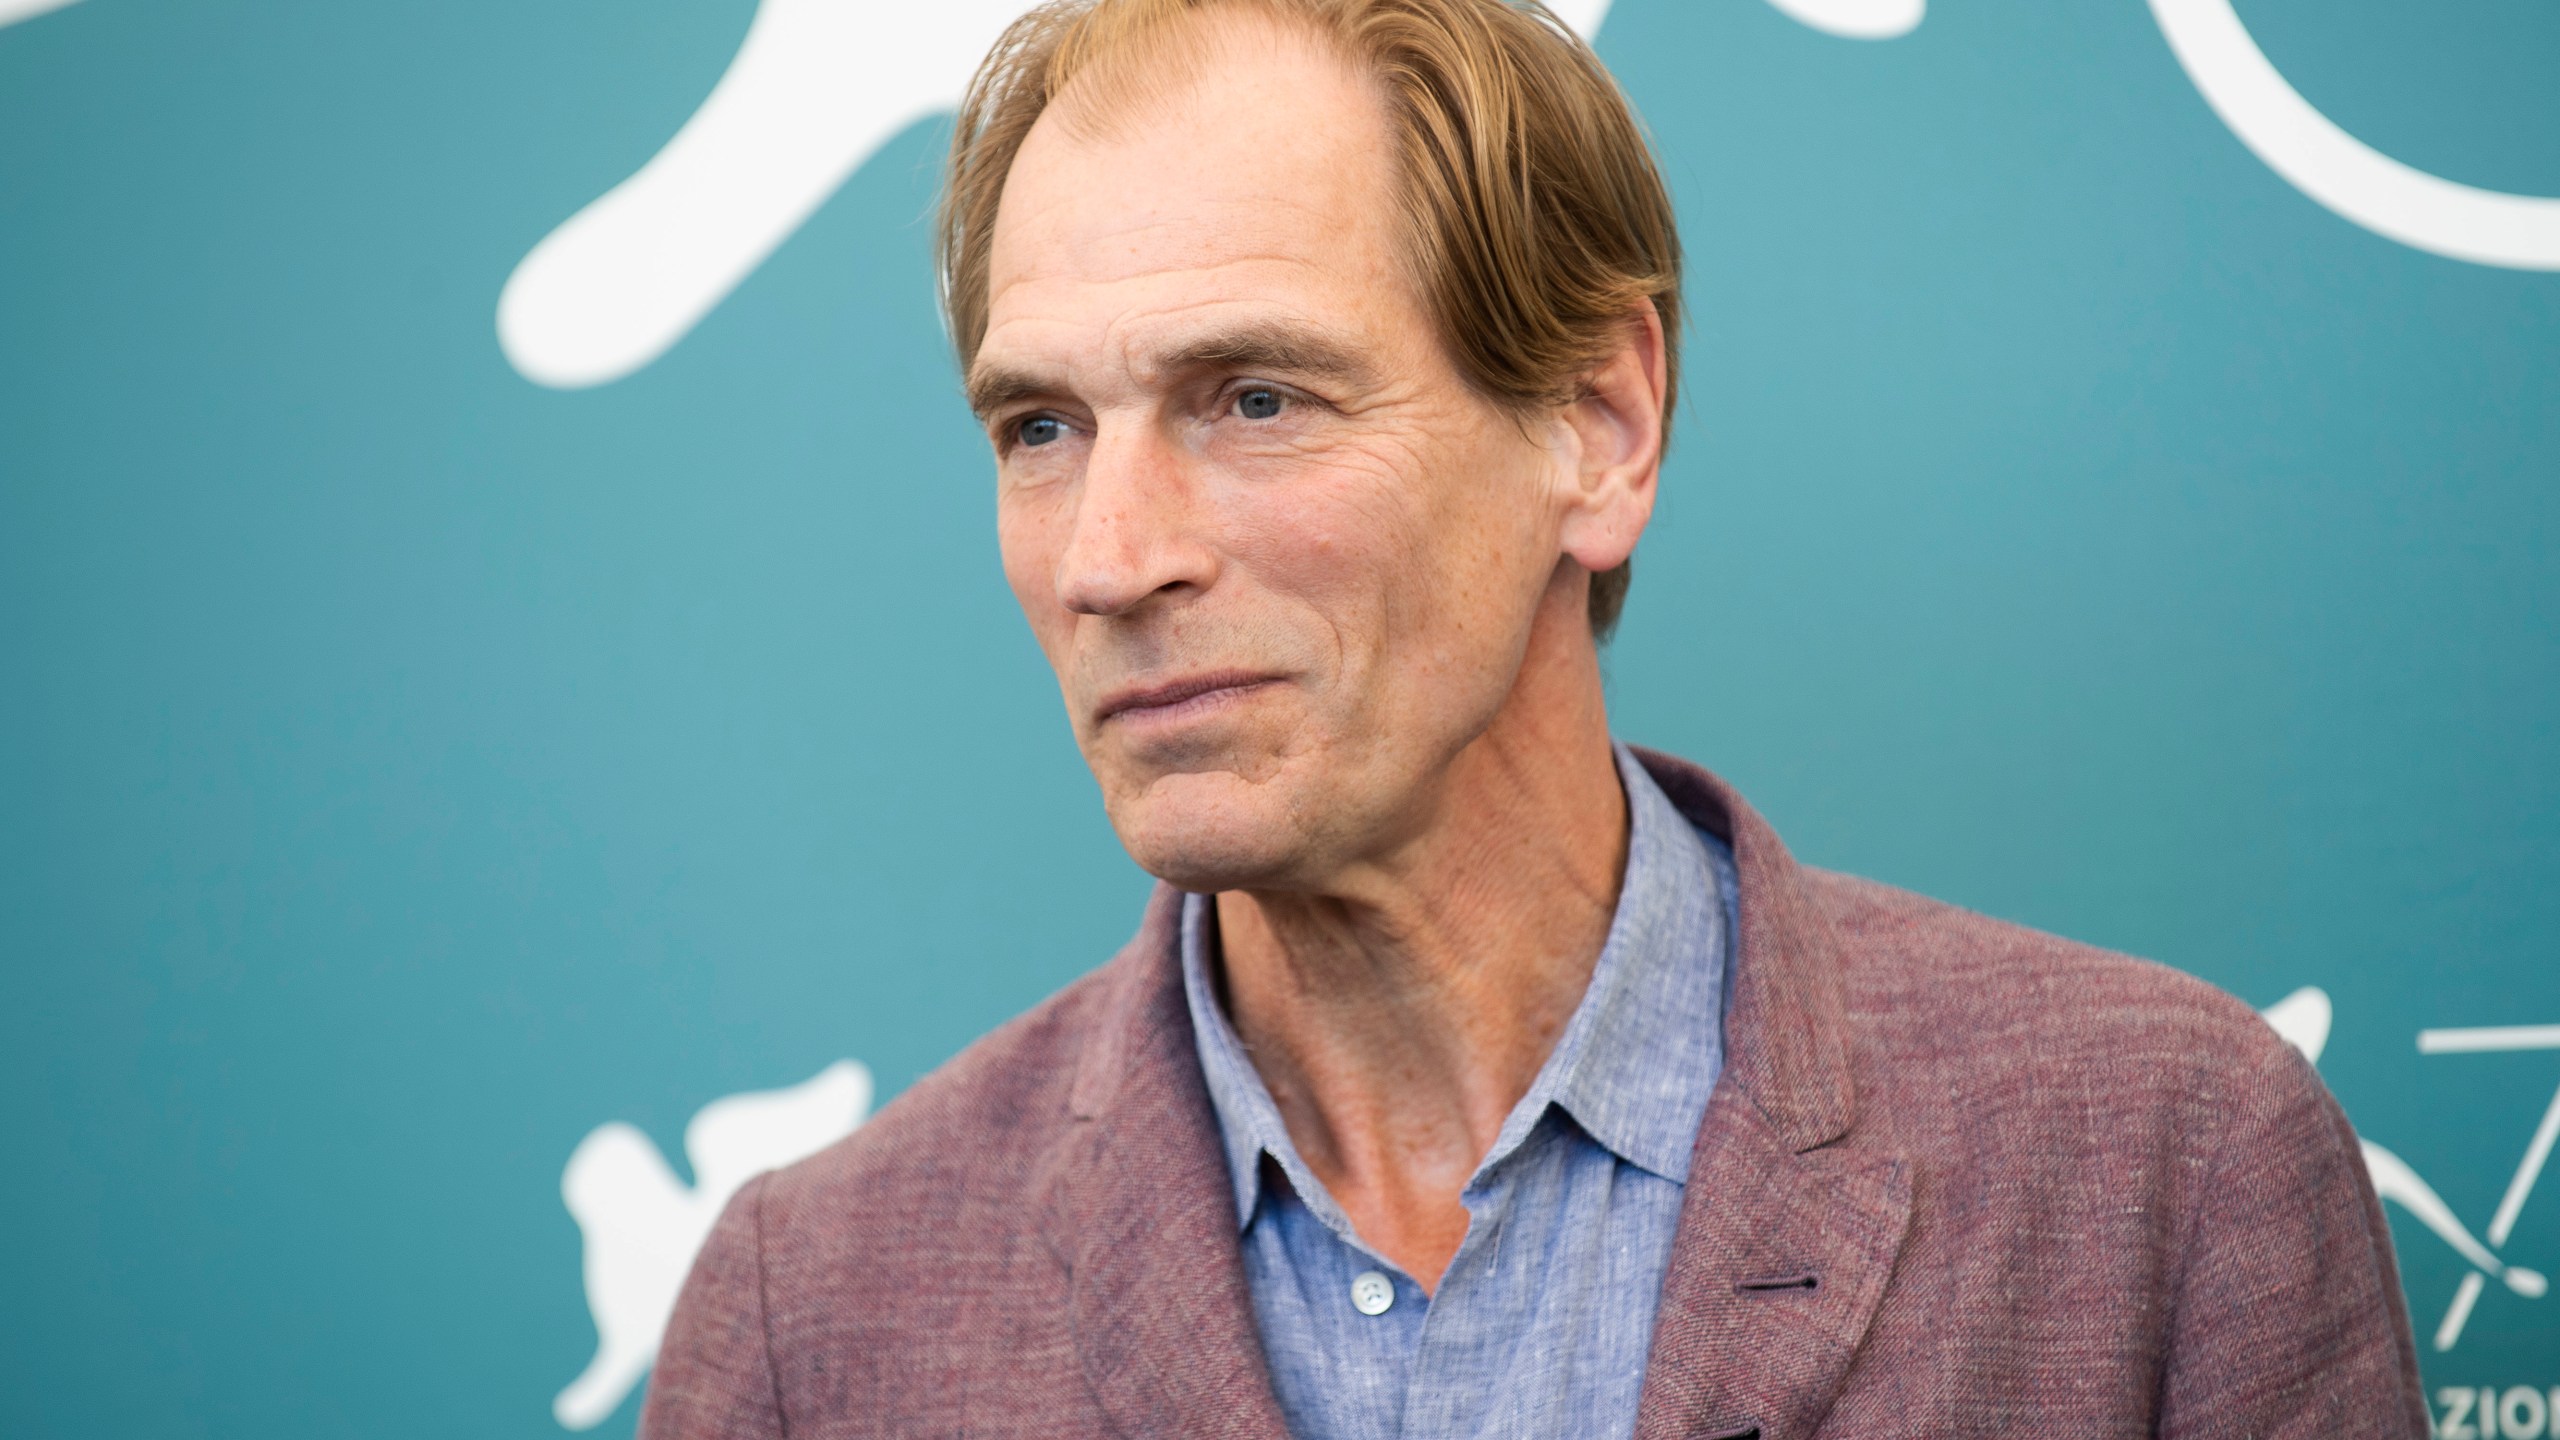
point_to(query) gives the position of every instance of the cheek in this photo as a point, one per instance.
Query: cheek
(1340, 538)
(1029, 533)
(1408, 538)
(1494, 543)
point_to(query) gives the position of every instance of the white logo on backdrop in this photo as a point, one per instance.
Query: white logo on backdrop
(819, 85)
(2302, 1018)
(13, 11)
(2483, 1040)
(816, 88)
(641, 1225)
(2423, 211)
(1855, 19)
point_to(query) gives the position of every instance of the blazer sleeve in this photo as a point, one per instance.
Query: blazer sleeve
(2288, 1317)
(714, 1376)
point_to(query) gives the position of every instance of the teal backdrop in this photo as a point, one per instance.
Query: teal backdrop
(407, 768)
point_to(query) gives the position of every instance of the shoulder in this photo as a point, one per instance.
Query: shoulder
(974, 1137)
(1925, 970)
(1997, 1036)
(2081, 1115)
(829, 1287)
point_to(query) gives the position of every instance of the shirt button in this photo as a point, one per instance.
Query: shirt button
(1372, 1293)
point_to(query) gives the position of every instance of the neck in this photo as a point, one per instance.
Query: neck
(1397, 1021)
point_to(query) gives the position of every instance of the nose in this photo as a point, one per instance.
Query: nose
(1131, 538)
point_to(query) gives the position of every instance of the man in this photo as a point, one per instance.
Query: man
(1471, 1075)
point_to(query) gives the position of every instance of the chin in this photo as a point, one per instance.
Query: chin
(1212, 831)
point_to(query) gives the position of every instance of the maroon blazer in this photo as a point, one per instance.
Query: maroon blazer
(1959, 1179)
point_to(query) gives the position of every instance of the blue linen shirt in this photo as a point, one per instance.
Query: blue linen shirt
(1542, 1323)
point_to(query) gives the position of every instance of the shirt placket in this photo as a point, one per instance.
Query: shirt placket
(1369, 1352)
(1471, 1322)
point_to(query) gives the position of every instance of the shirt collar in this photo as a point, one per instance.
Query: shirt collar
(1248, 1122)
(1636, 1063)
(1638, 1060)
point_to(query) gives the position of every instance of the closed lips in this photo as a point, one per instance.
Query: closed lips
(1145, 698)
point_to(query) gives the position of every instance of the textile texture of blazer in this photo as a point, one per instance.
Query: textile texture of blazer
(1959, 1179)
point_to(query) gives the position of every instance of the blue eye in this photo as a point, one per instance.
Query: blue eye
(1038, 430)
(1258, 404)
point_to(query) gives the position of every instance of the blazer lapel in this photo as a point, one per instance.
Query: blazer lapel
(1779, 1263)
(1790, 1229)
(1142, 1214)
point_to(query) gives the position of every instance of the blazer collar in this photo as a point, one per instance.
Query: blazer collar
(1786, 1040)
(1140, 1211)
(1790, 1227)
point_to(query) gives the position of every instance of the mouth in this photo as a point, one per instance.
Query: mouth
(1182, 699)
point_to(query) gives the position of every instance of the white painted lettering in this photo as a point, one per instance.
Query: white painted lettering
(2456, 1424)
(2521, 1413)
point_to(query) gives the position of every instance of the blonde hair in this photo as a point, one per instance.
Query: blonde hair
(1535, 221)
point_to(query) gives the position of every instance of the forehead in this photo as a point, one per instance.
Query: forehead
(1257, 174)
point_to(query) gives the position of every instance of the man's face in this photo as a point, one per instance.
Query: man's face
(1284, 560)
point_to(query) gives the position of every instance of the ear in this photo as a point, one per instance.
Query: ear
(1617, 425)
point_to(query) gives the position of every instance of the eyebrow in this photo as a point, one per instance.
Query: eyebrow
(993, 387)
(1277, 348)
(1283, 349)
